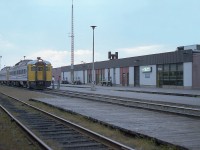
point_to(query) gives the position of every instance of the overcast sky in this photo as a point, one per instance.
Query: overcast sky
(42, 28)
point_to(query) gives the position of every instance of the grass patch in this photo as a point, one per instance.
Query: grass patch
(12, 137)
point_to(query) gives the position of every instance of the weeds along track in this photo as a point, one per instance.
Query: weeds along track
(53, 132)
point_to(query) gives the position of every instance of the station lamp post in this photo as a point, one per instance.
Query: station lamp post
(93, 73)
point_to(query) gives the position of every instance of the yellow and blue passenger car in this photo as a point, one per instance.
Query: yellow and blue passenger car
(35, 74)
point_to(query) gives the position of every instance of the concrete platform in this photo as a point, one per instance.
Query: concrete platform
(131, 92)
(171, 128)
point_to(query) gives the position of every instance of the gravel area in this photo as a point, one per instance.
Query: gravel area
(23, 94)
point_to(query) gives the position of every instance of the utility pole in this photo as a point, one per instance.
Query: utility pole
(72, 45)
(93, 88)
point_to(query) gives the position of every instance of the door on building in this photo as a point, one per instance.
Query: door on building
(89, 76)
(159, 75)
(123, 79)
(127, 79)
(124, 75)
(136, 76)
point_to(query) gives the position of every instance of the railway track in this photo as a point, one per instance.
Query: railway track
(52, 132)
(189, 110)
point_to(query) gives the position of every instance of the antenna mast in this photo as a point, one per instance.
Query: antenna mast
(72, 45)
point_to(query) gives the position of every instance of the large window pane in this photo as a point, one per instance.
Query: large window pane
(173, 67)
(170, 74)
(166, 67)
(179, 67)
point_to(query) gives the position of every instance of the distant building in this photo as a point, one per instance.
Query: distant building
(56, 72)
(177, 69)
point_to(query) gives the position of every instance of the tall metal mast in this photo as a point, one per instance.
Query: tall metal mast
(72, 45)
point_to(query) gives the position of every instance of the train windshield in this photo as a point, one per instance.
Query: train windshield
(40, 68)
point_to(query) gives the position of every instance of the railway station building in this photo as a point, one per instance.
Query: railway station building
(176, 69)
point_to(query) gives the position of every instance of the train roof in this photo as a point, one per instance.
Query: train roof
(5, 68)
(26, 62)
(35, 61)
(23, 62)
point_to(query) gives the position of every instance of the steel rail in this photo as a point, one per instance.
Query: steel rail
(104, 140)
(30, 133)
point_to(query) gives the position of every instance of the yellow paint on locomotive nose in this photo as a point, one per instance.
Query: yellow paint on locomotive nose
(49, 73)
(43, 74)
(40, 73)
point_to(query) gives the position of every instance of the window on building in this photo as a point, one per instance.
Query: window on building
(166, 75)
(170, 74)
(179, 74)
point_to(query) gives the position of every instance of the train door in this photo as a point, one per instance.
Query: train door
(31, 73)
(40, 73)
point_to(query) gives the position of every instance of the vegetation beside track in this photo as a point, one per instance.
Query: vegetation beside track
(12, 137)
